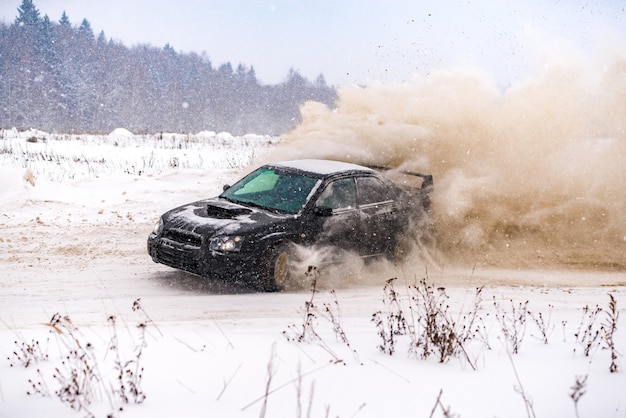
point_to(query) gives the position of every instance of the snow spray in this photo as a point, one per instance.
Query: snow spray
(528, 176)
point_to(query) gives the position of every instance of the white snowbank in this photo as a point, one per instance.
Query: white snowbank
(120, 133)
(15, 181)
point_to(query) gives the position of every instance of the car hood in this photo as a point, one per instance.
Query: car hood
(217, 216)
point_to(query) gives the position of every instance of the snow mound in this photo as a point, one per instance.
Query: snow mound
(206, 134)
(224, 136)
(121, 132)
(15, 181)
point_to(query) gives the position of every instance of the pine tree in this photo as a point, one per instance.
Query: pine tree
(85, 29)
(28, 14)
(65, 21)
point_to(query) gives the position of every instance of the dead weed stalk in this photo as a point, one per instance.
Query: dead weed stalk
(331, 312)
(512, 323)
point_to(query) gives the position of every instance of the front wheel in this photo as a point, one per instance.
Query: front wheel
(278, 268)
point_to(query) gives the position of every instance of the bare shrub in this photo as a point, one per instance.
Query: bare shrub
(331, 312)
(78, 375)
(512, 323)
(391, 321)
(591, 336)
(129, 371)
(438, 332)
(609, 327)
(578, 390)
(544, 325)
(307, 330)
(588, 334)
(39, 386)
(431, 328)
(27, 353)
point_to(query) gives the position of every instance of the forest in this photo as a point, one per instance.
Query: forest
(61, 77)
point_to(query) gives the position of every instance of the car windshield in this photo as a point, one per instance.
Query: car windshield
(273, 189)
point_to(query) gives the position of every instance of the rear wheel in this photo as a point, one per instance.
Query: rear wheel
(402, 248)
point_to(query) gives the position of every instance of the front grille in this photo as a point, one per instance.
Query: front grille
(180, 249)
(183, 237)
(183, 258)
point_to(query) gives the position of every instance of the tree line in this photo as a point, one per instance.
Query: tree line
(60, 77)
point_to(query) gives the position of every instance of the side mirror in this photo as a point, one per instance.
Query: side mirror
(226, 187)
(323, 211)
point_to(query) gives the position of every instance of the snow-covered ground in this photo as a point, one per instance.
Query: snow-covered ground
(79, 293)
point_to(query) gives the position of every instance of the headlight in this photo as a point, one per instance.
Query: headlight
(158, 227)
(226, 243)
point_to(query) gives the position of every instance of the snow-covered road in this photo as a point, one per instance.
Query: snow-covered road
(81, 249)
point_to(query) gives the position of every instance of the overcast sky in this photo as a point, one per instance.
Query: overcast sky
(351, 41)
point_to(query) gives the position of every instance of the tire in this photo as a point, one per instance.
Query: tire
(400, 251)
(278, 268)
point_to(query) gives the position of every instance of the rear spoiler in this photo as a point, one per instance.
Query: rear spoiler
(427, 178)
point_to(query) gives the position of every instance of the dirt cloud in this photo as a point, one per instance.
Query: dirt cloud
(528, 176)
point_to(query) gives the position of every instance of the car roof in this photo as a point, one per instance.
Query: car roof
(321, 167)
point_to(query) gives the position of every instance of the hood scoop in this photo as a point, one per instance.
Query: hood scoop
(225, 212)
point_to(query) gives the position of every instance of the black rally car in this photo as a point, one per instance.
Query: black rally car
(249, 231)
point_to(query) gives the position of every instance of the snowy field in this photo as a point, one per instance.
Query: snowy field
(90, 326)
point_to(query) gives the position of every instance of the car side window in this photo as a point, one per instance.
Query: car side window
(339, 194)
(372, 190)
(292, 192)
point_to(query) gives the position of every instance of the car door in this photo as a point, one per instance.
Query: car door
(377, 214)
(341, 225)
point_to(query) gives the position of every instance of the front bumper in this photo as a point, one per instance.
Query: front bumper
(198, 259)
